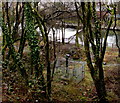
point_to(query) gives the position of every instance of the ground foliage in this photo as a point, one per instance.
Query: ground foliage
(27, 77)
(63, 91)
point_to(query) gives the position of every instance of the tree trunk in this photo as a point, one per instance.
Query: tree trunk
(77, 34)
(54, 50)
(76, 40)
(47, 51)
(117, 39)
(23, 36)
(3, 37)
(48, 69)
(119, 53)
(62, 28)
(36, 66)
(99, 82)
(101, 91)
(96, 70)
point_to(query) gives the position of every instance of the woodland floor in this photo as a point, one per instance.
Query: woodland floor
(85, 90)
(82, 92)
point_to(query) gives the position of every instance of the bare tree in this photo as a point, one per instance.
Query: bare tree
(92, 35)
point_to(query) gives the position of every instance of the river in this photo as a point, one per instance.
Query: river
(70, 33)
(111, 40)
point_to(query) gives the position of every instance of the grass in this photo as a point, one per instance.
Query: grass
(68, 90)
(0, 38)
(85, 90)
(110, 55)
(111, 79)
(111, 73)
(72, 91)
(118, 23)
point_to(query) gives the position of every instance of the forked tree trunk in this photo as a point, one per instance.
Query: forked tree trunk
(96, 70)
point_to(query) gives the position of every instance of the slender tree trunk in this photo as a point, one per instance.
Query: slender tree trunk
(3, 41)
(117, 41)
(48, 67)
(54, 50)
(23, 39)
(96, 71)
(7, 15)
(77, 34)
(62, 28)
(117, 44)
(15, 29)
(14, 55)
(119, 53)
(47, 51)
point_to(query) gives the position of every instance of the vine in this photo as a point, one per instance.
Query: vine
(33, 43)
(15, 56)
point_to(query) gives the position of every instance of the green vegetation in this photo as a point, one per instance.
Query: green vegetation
(34, 54)
(118, 23)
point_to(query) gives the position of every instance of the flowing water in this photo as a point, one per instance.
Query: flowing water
(70, 36)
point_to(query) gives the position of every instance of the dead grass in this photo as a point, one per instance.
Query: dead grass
(71, 91)
(112, 74)
(85, 90)
(110, 55)
(112, 82)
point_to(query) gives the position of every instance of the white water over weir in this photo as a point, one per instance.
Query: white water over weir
(70, 37)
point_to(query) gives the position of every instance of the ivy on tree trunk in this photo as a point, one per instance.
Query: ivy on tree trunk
(92, 35)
